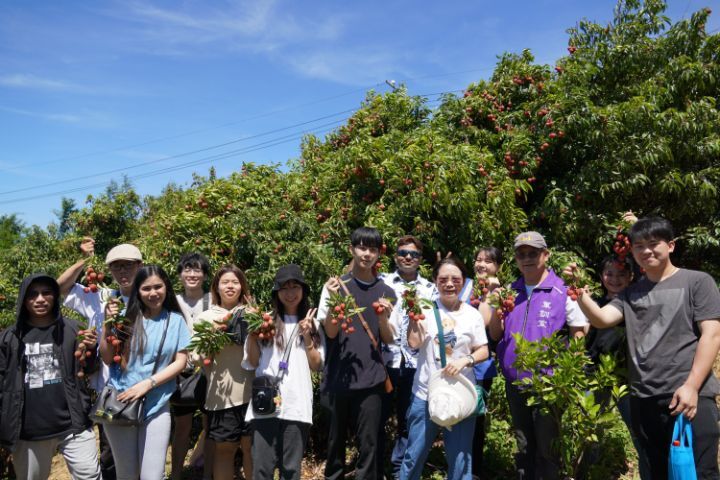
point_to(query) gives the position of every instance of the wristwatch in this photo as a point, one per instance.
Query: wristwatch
(153, 382)
(472, 360)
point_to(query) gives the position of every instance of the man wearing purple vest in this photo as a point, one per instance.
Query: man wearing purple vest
(542, 308)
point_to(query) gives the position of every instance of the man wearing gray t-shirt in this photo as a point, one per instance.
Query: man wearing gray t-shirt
(672, 317)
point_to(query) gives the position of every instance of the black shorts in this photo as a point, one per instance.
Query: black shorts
(228, 425)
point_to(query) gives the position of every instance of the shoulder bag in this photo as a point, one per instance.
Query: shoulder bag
(109, 410)
(191, 383)
(481, 408)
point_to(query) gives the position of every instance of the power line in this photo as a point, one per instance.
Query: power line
(185, 154)
(220, 156)
(224, 125)
(179, 155)
(186, 134)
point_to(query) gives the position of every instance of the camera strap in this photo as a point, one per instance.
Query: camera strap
(283, 366)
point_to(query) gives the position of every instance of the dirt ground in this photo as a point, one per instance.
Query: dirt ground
(311, 469)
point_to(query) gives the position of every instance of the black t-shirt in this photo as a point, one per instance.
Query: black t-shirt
(601, 341)
(45, 410)
(352, 363)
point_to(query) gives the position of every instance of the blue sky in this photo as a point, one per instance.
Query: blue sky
(89, 90)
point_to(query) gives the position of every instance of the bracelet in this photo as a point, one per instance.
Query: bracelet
(309, 347)
(472, 360)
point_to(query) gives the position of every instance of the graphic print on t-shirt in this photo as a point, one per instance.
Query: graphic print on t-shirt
(43, 368)
(449, 336)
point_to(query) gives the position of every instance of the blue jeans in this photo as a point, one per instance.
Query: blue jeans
(399, 399)
(421, 435)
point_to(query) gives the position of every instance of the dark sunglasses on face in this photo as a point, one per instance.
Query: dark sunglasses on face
(412, 253)
(530, 254)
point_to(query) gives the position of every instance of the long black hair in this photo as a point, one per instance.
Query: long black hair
(136, 309)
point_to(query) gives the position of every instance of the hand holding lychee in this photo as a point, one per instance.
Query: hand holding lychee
(577, 281)
(260, 323)
(341, 310)
(383, 308)
(503, 301)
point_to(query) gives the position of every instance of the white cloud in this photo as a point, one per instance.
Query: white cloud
(259, 26)
(349, 66)
(54, 117)
(22, 80)
(89, 119)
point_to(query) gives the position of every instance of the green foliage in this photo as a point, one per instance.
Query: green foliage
(562, 386)
(67, 208)
(110, 218)
(627, 120)
(500, 446)
(11, 230)
(633, 107)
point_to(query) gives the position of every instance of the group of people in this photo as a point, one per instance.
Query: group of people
(387, 360)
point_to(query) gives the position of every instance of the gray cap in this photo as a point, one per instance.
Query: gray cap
(531, 239)
(124, 251)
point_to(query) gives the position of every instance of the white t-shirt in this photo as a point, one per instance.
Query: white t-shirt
(464, 331)
(296, 388)
(92, 307)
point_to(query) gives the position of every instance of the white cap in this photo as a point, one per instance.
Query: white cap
(450, 399)
(124, 251)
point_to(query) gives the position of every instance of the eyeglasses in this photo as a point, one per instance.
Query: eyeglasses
(412, 253)
(197, 271)
(127, 266)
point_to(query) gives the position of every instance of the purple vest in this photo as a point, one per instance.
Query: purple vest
(536, 317)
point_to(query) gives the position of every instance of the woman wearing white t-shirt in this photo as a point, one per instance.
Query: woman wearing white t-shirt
(279, 439)
(465, 345)
(193, 270)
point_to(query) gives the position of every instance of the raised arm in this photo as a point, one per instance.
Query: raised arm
(496, 326)
(416, 333)
(252, 350)
(309, 334)
(331, 286)
(387, 335)
(605, 317)
(67, 279)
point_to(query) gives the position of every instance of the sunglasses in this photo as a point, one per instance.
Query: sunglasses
(412, 253)
(530, 254)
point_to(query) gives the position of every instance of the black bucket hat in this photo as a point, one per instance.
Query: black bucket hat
(287, 273)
